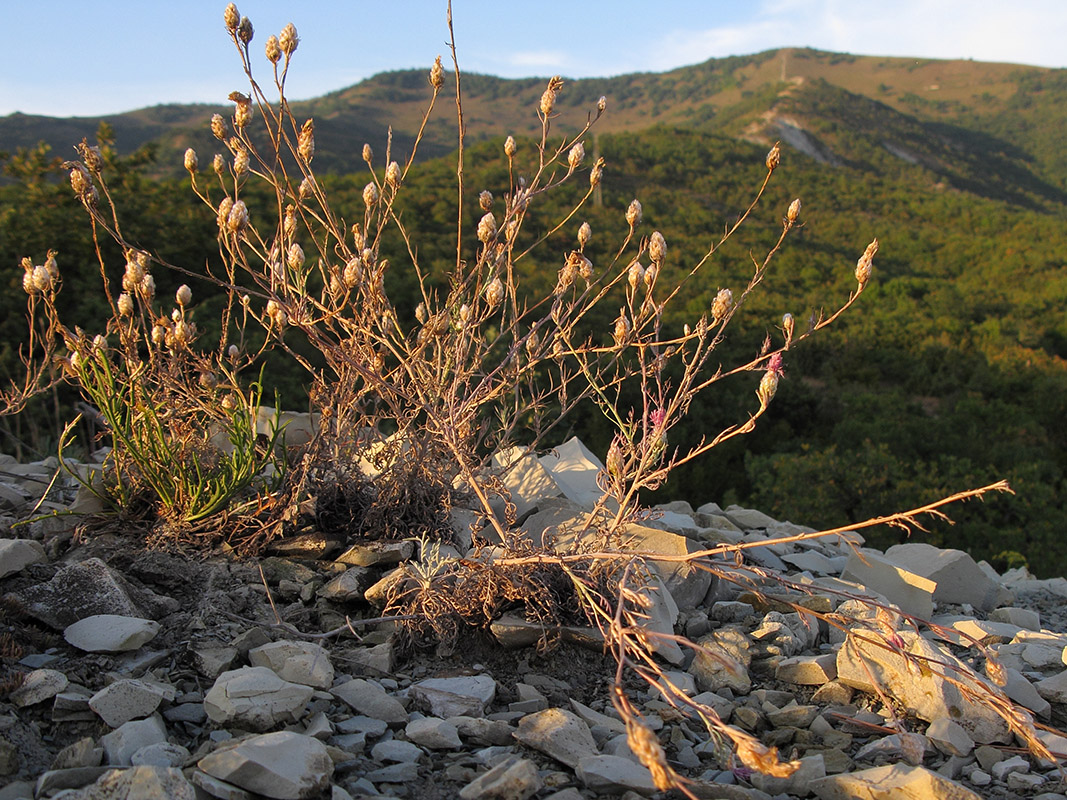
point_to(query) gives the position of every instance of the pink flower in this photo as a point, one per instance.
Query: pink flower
(657, 417)
(774, 364)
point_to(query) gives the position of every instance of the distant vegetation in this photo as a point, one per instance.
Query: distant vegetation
(951, 373)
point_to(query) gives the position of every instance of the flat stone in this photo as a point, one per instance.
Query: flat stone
(816, 563)
(145, 782)
(525, 478)
(1020, 617)
(350, 585)
(491, 732)
(161, 754)
(812, 768)
(281, 765)
(406, 772)
(748, 518)
(109, 633)
(956, 576)
(558, 733)
(38, 686)
(890, 782)
(381, 658)
(1019, 689)
(120, 745)
(86, 589)
(980, 630)
(71, 707)
(56, 780)
(297, 662)
(722, 662)
(950, 738)
(125, 700)
(614, 775)
(396, 750)
(434, 733)
(380, 554)
(211, 660)
(255, 698)
(687, 583)
(807, 670)
(923, 692)
(574, 468)
(211, 786)
(793, 716)
(370, 699)
(909, 591)
(465, 695)
(1053, 689)
(17, 554)
(513, 778)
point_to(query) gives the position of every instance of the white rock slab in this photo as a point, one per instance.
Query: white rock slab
(371, 700)
(125, 700)
(910, 592)
(957, 577)
(891, 782)
(297, 662)
(558, 733)
(574, 468)
(462, 696)
(110, 633)
(255, 698)
(614, 775)
(513, 778)
(38, 686)
(282, 765)
(120, 745)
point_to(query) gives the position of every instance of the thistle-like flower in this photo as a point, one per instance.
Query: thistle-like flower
(147, 287)
(184, 295)
(368, 154)
(510, 147)
(486, 228)
(575, 156)
(548, 99)
(307, 188)
(485, 200)
(768, 384)
(774, 157)
(240, 161)
(191, 162)
(601, 105)
(585, 233)
(370, 194)
(42, 278)
(353, 271)
(634, 212)
(288, 40)
(864, 265)
(225, 207)
(615, 462)
(245, 31)
(596, 174)
(788, 325)
(657, 247)
(721, 305)
(392, 174)
(635, 275)
(621, 331)
(273, 49)
(218, 164)
(218, 127)
(231, 17)
(494, 292)
(305, 142)
(437, 74)
(237, 220)
(289, 221)
(294, 259)
(793, 212)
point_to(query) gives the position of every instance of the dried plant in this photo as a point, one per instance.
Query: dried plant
(406, 409)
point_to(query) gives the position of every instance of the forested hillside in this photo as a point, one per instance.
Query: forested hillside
(951, 372)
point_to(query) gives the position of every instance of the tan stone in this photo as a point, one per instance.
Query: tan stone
(891, 782)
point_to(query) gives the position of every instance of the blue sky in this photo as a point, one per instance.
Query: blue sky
(67, 58)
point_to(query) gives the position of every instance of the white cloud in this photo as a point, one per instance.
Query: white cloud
(1030, 33)
(538, 59)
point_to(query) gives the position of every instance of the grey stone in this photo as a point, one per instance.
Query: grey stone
(614, 775)
(143, 782)
(434, 733)
(351, 585)
(86, 589)
(56, 780)
(890, 782)
(297, 662)
(381, 658)
(82, 753)
(281, 765)
(211, 660)
(370, 699)
(748, 518)
(380, 554)
(910, 592)
(1019, 689)
(687, 583)
(812, 768)
(465, 695)
(1022, 617)
(950, 738)
(124, 700)
(807, 670)
(17, 554)
(255, 698)
(574, 468)
(210, 786)
(1053, 689)
(110, 633)
(526, 480)
(38, 686)
(513, 778)
(722, 662)
(957, 577)
(161, 754)
(396, 750)
(558, 733)
(127, 739)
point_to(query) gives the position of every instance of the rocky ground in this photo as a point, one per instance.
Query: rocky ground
(133, 673)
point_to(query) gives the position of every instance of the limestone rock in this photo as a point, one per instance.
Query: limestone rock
(255, 698)
(370, 699)
(723, 661)
(513, 778)
(465, 695)
(281, 765)
(434, 733)
(923, 692)
(957, 577)
(687, 583)
(17, 554)
(910, 592)
(558, 733)
(144, 782)
(380, 554)
(128, 738)
(891, 782)
(297, 662)
(525, 478)
(614, 775)
(812, 768)
(87, 589)
(350, 585)
(38, 686)
(125, 700)
(110, 633)
(574, 468)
